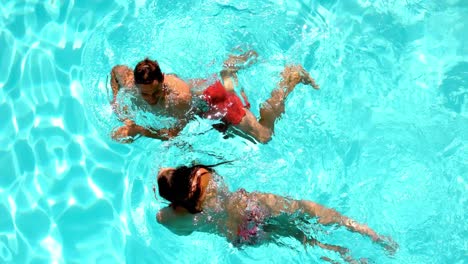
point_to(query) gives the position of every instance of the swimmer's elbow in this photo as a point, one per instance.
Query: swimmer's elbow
(164, 217)
(174, 223)
(160, 217)
(123, 75)
(172, 133)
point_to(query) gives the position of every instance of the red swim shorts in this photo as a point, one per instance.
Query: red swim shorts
(223, 104)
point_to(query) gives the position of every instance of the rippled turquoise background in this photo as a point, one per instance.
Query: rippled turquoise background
(384, 141)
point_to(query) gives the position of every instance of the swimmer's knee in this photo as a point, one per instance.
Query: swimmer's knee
(228, 74)
(265, 140)
(265, 136)
(259, 132)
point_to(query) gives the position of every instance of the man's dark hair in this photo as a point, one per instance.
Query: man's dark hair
(146, 71)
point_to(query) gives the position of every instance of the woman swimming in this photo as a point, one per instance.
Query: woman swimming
(199, 201)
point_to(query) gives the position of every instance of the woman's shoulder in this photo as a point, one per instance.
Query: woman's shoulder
(181, 222)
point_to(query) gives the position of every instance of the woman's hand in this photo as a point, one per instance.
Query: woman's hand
(388, 243)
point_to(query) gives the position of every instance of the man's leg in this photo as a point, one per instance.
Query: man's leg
(237, 62)
(274, 106)
(233, 64)
(262, 129)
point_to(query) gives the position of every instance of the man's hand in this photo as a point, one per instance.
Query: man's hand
(127, 132)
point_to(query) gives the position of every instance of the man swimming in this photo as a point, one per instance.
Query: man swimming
(200, 201)
(174, 97)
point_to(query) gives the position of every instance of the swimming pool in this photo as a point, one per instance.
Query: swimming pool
(384, 141)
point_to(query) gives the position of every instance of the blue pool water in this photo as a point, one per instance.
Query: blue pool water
(385, 141)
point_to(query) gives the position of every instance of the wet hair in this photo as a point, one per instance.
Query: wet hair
(176, 188)
(146, 71)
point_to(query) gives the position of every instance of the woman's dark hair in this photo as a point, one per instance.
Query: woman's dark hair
(146, 71)
(176, 188)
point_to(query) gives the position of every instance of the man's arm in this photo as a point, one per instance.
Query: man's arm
(130, 130)
(121, 76)
(162, 134)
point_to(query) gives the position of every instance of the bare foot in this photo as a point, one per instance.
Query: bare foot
(237, 62)
(297, 74)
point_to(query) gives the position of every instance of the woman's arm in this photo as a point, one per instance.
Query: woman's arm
(177, 220)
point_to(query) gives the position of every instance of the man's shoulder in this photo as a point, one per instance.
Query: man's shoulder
(173, 78)
(177, 84)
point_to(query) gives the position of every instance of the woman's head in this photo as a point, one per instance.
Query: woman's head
(181, 186)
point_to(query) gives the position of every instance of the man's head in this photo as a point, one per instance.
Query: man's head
(149, 79)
